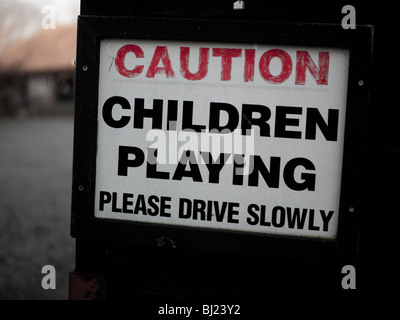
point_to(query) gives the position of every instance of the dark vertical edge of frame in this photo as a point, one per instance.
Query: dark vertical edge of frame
(352, 203)
(85, 127)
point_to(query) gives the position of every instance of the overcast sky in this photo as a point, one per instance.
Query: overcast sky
(66, 10)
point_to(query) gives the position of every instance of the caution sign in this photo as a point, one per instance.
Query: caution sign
(230, 136)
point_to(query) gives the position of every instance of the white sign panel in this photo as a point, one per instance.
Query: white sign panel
(243, 137)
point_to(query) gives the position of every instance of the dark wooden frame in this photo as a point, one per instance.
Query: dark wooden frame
(92, 29)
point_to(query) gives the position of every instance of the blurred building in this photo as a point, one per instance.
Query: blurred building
(37, 75)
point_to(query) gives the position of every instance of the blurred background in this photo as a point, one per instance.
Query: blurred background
(37, 79)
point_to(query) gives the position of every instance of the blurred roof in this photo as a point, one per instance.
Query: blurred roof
(48, 50)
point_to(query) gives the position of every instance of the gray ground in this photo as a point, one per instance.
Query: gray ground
(35, 202)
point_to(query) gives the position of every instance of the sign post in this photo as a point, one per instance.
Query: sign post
(248, 141)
